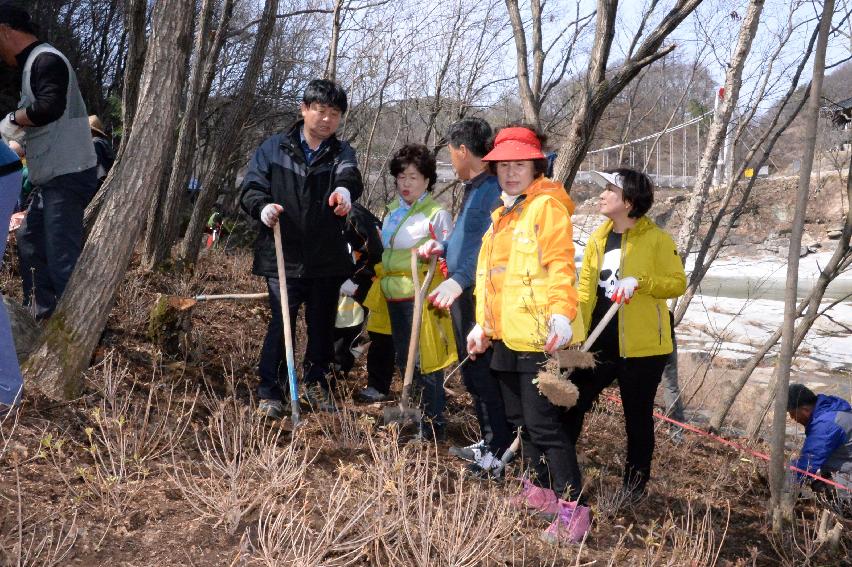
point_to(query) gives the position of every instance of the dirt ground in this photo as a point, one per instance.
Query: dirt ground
(162, 462)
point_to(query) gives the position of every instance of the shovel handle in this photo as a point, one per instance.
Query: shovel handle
(512, 450)
(285, 315)
(599, 328)
(419, 297)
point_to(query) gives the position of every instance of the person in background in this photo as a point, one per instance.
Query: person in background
(308, 178)
(827, 449)
(469, 140)
(11, 381)
(103, 148)
(52, 118)
(413, 218)
(363, 235)
(631, 261)
(26, 187)
(525, 303)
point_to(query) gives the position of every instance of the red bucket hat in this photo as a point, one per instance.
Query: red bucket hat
(515, 144)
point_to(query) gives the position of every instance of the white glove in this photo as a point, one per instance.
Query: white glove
(269, 214)
(477, 342)
(341, 201)
(9, 131)
(348, 288)
(560, 333)
(445, 294)
(624, 289)
(430, 248)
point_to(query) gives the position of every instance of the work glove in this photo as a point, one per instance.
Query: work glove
(477, 342)
(559, 333)
(624, 290)
(341, 201)
(269, 214)
(431, 248)
(348, 288)
(11, 132)
(445, 294)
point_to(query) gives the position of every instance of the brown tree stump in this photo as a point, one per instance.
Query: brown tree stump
(170, 324)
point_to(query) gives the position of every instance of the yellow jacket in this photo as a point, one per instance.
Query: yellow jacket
(648, 254)
(526, 271)
(437, 341)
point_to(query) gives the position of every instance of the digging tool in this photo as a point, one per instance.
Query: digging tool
(232, 296)
(288, 336)
(404, 412)
(513, 449)
(558, 388)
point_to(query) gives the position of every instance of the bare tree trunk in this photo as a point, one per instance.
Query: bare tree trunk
(135, 20)
(229, 143)
(598, 90)
(164, 218)
(785, 359)
(733, 82)
(529, 96)
(73, 332)
(336, 22)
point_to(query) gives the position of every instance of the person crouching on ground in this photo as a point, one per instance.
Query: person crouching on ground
(525, 302)
(628, 260)
(308, 178)
(413, 218)
(827, 449)
(469, 140)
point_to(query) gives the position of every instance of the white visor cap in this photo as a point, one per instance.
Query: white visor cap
(602, 179)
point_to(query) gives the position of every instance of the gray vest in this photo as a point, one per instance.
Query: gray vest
(65, 145)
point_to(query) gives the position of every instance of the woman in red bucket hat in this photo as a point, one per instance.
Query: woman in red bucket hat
(525, 303)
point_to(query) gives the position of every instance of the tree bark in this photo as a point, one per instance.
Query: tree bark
(777, 474)
(599, 91)
(135, 20)
(336, 22)
(25, 330)
(718, 129)
(164, 218)
(229, 142)
(529, 98)
(75, 328)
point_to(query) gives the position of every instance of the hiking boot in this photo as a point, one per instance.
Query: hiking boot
(318, 398)
(273, 409)
(571, 524)
(486, 467)
(370, 395)
(542, 501)
(470, 453)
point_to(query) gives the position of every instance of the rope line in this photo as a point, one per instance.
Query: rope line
(738, 447)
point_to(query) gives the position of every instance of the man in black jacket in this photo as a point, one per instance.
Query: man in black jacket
(306, 178)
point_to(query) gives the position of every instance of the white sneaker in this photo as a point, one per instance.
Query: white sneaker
(487, 466)
(470, 453)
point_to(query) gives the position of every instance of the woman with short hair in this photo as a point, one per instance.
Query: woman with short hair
(628, 260)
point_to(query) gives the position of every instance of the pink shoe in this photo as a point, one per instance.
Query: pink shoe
(570, 526)
(542, 500)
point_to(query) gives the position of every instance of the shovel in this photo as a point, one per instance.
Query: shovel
(558, 389)
(288, 336)
(404, 412)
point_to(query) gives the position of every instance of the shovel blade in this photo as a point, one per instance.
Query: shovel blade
(396, 414)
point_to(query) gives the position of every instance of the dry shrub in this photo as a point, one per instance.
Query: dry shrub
(400, 507)
(801, 544)
(125, 437)
(240, 464)
(133, 301)
(691, 539)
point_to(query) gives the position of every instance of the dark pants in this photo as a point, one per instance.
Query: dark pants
(638, 379)
(51, 238)
(380, 362)
(547, 445)
(431, 385)
(319, 296)
(476, 374)
(344, 340)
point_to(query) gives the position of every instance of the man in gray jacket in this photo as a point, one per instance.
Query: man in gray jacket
(52, 121)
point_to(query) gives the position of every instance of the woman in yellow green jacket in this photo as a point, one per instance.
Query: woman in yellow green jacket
(628, 260)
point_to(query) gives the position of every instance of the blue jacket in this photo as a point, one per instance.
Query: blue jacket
(481, 197)
(828, 439)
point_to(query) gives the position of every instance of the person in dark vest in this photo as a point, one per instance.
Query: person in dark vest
(52, 121)
(306, 177)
